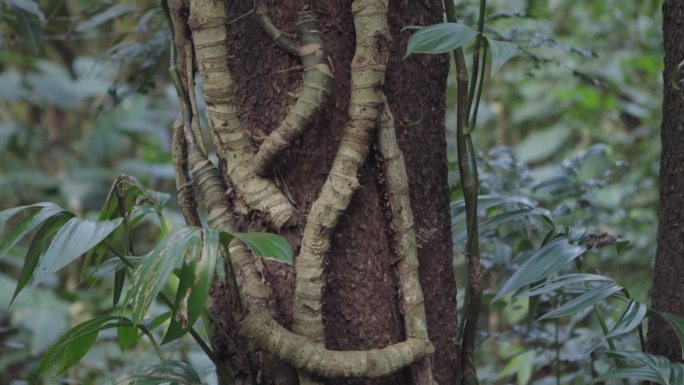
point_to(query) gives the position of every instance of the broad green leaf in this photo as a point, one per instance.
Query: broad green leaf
(167, 372)
(502, 51)
(38, 246)
(631, 318)
(589, 298)
(76, 237)
(561, 282)
(547, 260)
(76, 342)
(47, 211)
(541, 144)
(156, 268)
(195, 283)
(439, 38)
(522, 365)
(127, 336)
(677, 323)
(267, 245)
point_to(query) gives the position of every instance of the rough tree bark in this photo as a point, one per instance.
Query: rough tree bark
(668, 281)
(254, 84)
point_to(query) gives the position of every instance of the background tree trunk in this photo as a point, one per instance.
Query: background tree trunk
(668, 282)
(361, 301)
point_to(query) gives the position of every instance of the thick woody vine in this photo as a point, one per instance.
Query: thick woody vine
(203, 41)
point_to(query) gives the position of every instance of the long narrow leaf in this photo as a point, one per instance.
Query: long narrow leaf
(562, 282)
(589, 298)
(167, 372)
(46, 212)
(661, 367)
(266, 245)
(75, 238)
(194, 287)
(549, 259)
(76, 342)
(38, 246)
(677, 323)
(643, 373)
(631, 318)
(440, 38)
(156, 268)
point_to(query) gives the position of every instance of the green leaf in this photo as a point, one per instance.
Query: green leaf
(502, 51)
(102, 17)
(167, 372)
(76, 237)
(28, 6)
(642, 373)
(31, 32)
(76, 342)
(125, 196)
(660, 369)
(127, 193)
(267, 245)
(589, 298)
(485, 202)
(195, 283)
(157, 321)
(47, 211)
(439, 38)
(677, 324)
(127, 336)
(522, 365)
(119, 278)
(156, 267)
(631, 318)
(547, 260)
(561, 282)
(38, 246)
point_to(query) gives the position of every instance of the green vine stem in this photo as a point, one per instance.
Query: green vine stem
(282, 41)
(314, 358)
(406, 245)
(258, 325)
(467, 167)
(317, 82)
(207, 22)
(476, 60)
(184, 187)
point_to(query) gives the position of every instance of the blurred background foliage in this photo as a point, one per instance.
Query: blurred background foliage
(570, 125)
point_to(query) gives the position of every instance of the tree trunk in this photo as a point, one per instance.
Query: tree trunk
(668, 285)
(362, 297)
